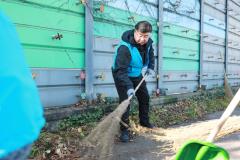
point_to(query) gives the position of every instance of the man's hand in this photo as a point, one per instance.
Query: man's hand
(150, 72)
(131, 92)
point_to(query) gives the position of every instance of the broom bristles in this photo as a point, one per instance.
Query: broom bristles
(101, 139)
(227, 88)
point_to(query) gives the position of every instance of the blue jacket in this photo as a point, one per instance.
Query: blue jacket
(21, 113)
(136, 64)
(129, 58)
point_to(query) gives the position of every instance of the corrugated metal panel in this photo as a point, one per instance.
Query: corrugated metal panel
(54, 57)
(52, 35)
(217, 15)
(234, 25)
(234, 82)
(234, 7)
(213, 44)
(38, 33)
(218, 4)
(173, 18)
(60, 96)
(213, 83)
(140, 7)
(180, 87)
(179, 76)
(234, 43)
(234, 56)
(213, 67)
(181, 46)
(57, 77)
(69, 5)
(58, 87)
(213, 52)
(189, 8)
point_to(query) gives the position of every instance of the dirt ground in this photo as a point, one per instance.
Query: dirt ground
(142, 148)
(148, 147)
(231, 144)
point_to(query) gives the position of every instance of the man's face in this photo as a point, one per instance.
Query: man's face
(141, 38)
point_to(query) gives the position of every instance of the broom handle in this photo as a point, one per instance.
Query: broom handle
(230, 108)
(130, 97)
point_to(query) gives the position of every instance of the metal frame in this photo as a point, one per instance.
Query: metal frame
(89, 50)
(201, 43)
(226, 38)
(160, 43)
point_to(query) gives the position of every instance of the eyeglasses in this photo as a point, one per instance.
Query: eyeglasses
(143, 35)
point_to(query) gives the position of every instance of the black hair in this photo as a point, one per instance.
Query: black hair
(143, 27)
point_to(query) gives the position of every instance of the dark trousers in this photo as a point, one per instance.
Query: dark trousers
(143, 100)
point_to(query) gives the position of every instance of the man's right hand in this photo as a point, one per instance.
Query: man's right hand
(131, 92)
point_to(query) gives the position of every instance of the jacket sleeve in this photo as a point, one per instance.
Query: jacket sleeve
(151, 58)
(120, 71)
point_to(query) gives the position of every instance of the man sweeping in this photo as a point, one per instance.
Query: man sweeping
(134, 53)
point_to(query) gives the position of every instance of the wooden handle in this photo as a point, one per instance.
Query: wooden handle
(230, 108)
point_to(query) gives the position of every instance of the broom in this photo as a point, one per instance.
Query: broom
(100, 141)
(227, 88)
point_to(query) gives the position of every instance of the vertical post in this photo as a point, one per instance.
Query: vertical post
(201, 42)
(89, 50)
(226, 38)
(160, 44)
